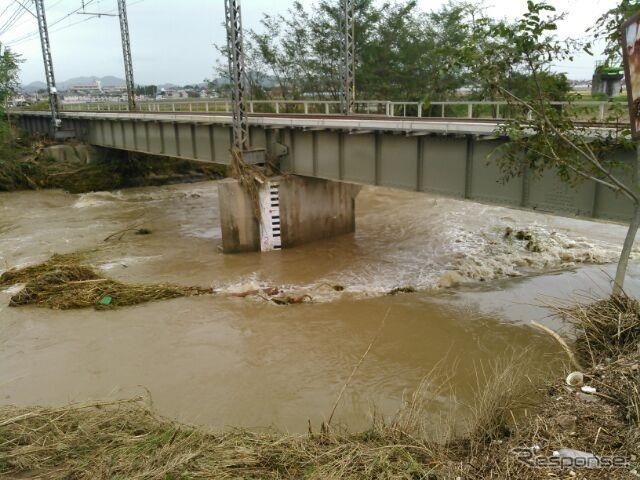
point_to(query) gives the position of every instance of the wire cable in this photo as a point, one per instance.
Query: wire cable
(13, 18)
(30, 36)
(54, 23)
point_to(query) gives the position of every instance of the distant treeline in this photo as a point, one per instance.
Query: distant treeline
(402, 53)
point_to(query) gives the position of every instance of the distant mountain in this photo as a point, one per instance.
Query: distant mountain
(107, 81)
(34, 87)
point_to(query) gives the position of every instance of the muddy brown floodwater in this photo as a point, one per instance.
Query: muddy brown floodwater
(222, 360)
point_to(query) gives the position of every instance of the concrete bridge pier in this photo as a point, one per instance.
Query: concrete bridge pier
(293, 210)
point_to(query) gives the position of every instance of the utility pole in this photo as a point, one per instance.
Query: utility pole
(236, 74)
(48, 66)
(126, 53)
(347, 72)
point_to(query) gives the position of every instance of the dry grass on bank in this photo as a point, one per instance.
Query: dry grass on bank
(609, 338)
(64, 282)
(125, 440)
(504, 389)
(607, 328)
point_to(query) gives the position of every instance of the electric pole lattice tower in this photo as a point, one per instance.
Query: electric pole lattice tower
(347, 72)
(236, 74)
(126, 53)
(48, 66)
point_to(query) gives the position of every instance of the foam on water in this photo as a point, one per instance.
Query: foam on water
(125, 262)
(13, 289)
(492, 254)
(96, 199)
(460, 256)
(141, 195)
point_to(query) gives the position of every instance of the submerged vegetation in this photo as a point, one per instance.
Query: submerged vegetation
(64, 282)
(512, 410)
(532, 245)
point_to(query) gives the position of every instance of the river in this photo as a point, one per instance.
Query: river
(224, 361)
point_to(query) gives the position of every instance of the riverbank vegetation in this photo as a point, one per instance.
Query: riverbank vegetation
(25, 165)
(512, 410)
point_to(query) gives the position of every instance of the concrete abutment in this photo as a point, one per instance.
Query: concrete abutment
(294, 210)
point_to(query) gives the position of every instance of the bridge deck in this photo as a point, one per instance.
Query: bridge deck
(329, 122)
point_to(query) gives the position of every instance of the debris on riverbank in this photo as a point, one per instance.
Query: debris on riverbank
(509, 428)
(64, 282)
(594, 421)
(25, 165)
(401, 290)
(271, 294)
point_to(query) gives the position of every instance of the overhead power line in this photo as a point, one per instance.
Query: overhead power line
(23, 4)
(33, 35)
(5, 9)
(52, 24)
(13, 18)
(27, 9)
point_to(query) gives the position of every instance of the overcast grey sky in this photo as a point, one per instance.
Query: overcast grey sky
(172, 40)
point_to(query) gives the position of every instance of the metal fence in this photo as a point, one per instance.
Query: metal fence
(596, 111)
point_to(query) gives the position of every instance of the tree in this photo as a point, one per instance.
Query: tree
(148, 90)
(449, 28)
(544, 137)
(555, 85)
(608, 25)
(254, 72)
(412, 55)
(300, 50)
(401, 52)
(9, 84)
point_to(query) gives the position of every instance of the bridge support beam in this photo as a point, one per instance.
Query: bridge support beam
(294, 210)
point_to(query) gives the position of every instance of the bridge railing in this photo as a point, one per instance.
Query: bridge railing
(302, 107)
(596, 111)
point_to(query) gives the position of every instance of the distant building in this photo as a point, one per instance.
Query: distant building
(581, 86)
(20, 101)
(93, 93)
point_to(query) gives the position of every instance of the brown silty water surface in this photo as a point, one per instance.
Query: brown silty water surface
(222, 360)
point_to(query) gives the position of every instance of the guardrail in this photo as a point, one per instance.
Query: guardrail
(596, 111)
